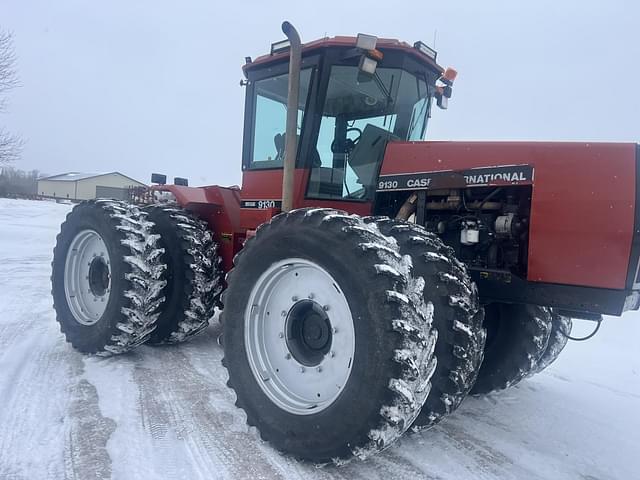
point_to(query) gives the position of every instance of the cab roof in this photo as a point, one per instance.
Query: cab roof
(343, 41)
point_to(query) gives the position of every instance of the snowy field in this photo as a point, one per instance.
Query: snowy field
(165, 412)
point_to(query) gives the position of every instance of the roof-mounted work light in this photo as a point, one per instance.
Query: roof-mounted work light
(366, 42)
(183, 182)
(281, 46)
(158, 178)
(426, 49)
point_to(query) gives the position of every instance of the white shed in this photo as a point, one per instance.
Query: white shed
(86, 186)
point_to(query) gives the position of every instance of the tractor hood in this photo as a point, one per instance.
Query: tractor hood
(584, 211)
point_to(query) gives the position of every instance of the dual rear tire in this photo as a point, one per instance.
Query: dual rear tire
(522, 340)
(123, 276)
(107, 278)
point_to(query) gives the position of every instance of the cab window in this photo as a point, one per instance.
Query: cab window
(270, 119)
(359, 116)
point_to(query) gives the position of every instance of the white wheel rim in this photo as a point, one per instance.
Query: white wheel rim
(299, 365)
(87, 277)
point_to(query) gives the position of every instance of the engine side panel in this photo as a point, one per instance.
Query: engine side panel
(582, 207)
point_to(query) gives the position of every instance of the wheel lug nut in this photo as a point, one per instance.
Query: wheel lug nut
(310, 296)
(294, 299)
(319, 369)
(283, 313)
(288, 356)
(334, 330)
(332, 354)
(302, 369)
(281, 335)
(325, 308)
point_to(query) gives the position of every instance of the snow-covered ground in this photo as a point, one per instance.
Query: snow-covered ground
(166, 413)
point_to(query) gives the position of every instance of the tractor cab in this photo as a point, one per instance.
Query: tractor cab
(355, 95)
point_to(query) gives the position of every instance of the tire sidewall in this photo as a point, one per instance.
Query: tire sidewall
(91, 338)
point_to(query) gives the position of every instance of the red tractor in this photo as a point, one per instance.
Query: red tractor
(373, 279)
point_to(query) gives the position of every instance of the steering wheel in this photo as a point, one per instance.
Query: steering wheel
(348, 144)
(357, 139)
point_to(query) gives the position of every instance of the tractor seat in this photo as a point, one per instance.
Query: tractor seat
(280, 141)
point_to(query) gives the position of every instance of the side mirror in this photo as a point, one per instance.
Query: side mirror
(444, 90)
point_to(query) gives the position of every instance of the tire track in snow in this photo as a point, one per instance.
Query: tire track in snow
(87, 433)
(487, 460)
(51, 424)
(199, 410)
(189, 413)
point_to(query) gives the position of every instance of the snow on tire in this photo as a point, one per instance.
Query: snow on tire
(560, 330)
(457, 317)
(328, 341)
(193, 276)
(517, 337)
(106, 277)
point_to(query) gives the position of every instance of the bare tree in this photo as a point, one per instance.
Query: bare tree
(10, 144)
(18, 183)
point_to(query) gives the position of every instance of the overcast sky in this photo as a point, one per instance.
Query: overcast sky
(142, 86)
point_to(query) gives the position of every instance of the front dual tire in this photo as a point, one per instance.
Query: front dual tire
(328, 338)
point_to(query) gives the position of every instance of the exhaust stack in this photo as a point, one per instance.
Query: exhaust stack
(291, 134)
